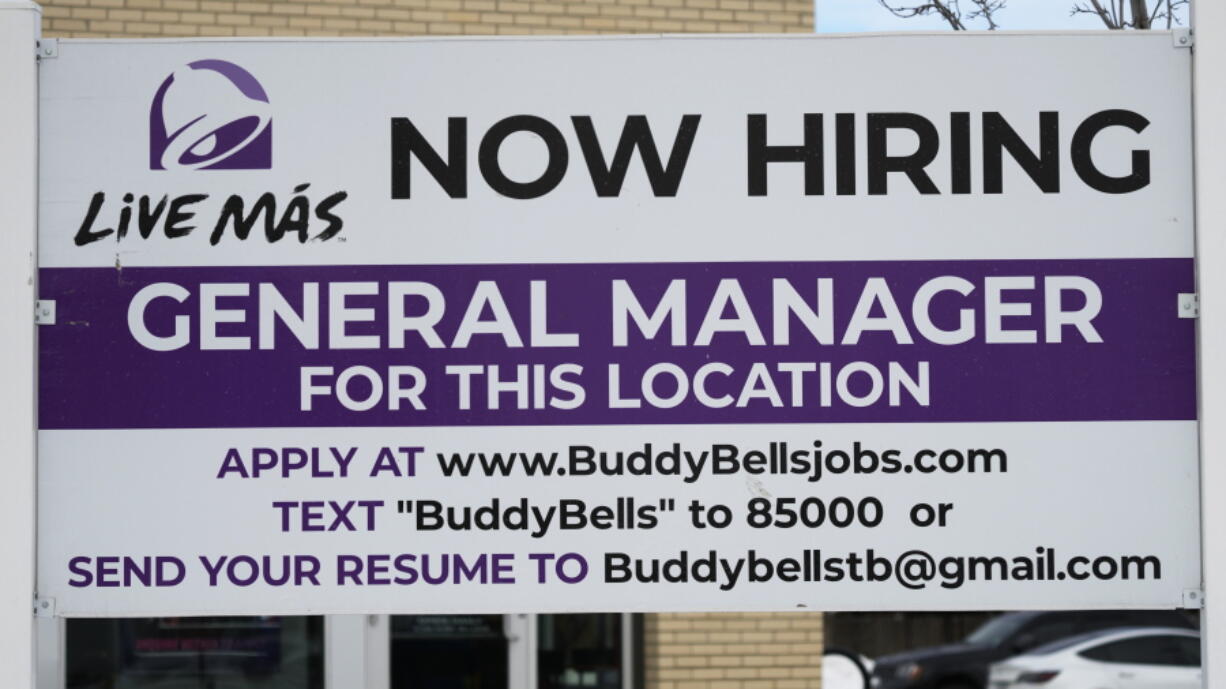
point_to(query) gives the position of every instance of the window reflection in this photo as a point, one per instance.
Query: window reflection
(195, 653)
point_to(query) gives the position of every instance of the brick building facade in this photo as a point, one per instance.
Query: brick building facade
(169, 18)
(732, 651)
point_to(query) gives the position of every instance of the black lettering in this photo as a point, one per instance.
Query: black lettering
(1083, 163)
(1044, 168)
(960, 152)
(324, 212)
(608, 178)
(809, 153)
(555, 169)
(178, 215)
(845, 153)
(125, 217)
(451, 175)
(232, 211)
(296, 218)
(616, 568)
(147, 219)
(880, 163)
(85, 234)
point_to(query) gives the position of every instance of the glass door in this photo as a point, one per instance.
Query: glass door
(449, 652)
(510, 651)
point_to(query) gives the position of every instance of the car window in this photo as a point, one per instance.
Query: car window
(1179, 651)
(996, 630)
(1048, 630)
(1057, 646)
(1190, 647)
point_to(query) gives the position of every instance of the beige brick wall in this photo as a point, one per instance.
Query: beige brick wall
(733, 651)
(160, 18)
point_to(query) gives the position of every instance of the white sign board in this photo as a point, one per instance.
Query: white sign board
(632, 324)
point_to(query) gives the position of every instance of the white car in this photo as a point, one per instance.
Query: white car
(844, 669)
(1134, 658)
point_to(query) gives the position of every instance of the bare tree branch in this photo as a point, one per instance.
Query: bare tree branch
(984, 9)
(1114, 14)
(950, 11)
(1171, 13)
(1107, 15)
(1138, 15)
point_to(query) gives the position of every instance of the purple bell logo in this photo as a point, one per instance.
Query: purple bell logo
(210, 115)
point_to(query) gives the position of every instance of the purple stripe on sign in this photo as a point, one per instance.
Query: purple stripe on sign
(943, 356)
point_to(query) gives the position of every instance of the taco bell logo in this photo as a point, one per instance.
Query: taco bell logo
(210, 115)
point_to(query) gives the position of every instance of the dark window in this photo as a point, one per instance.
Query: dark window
(580, 651)
(1178, 651)
(448, 651)
(195, 653)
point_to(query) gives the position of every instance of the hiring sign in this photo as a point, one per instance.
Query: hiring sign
(636, 324)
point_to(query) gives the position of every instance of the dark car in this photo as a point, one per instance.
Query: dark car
(965, 665)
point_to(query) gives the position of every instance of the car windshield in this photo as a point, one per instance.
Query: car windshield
(996, 630)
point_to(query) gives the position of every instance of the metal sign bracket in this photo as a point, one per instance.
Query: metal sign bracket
(1193, 599)
(1189, 305)
(47, 48)
(44, 312)
(44, 607)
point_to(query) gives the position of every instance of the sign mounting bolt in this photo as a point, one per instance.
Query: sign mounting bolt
(44, 312)
(44, 606)
(1193, 599)
(1189, 305)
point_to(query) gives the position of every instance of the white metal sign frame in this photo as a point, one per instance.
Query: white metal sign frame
(19, 32)
(19, 23)
(1209, 64)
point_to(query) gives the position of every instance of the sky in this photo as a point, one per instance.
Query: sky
(850, 16)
